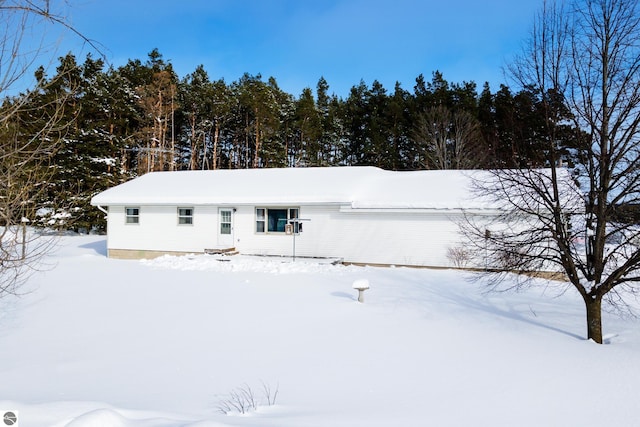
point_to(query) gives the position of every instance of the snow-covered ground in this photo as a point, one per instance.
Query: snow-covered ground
(102, 342)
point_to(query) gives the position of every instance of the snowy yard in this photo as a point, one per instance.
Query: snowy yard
(103, 342)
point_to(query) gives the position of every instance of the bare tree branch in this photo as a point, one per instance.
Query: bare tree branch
(33, 124)
(588, 58)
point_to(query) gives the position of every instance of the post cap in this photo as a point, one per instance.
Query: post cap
(361, 284)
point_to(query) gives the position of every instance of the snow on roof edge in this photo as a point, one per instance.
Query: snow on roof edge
(360, 187)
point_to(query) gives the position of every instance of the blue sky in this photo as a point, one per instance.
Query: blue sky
(298, 41)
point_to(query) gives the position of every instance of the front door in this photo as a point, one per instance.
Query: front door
(225, 227)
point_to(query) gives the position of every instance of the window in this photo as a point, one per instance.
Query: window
(132, 215)
(293, 214)
(225, 221)
(260, 220)
(274, 220)
(185, 216)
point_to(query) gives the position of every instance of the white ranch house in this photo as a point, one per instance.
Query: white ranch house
(362, 215)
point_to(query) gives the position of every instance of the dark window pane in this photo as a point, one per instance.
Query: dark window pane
(277, 220)
(132, 215)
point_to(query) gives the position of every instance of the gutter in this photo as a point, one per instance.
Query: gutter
(419, 210)
(258, 203)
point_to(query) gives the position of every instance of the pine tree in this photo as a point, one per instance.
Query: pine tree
(90, 156)
(194, 94)
(307, 147)
(155, 84)
(259, 113)
(355, 118)
(402, 154)
(331, 141)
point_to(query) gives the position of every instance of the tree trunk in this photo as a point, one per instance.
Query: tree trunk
(216, 135)
(193, 161)
(256, 158)
(594, 318)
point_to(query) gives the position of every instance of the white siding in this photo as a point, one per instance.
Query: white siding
(250, 242)
(397, 238)
(401, 238)
(360, 237)
(159, 229)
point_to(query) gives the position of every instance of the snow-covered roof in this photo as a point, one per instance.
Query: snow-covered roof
(360, 187)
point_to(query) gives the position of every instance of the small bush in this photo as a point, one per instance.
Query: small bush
(242, 399)
(459, 256)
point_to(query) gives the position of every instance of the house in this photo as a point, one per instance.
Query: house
(362, 215)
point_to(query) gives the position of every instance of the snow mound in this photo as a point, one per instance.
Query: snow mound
(109, 417)
(241, 263)
(100, 418)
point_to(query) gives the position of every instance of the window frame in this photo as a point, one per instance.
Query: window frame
(187, 218)
(262, 219)
(132, 218)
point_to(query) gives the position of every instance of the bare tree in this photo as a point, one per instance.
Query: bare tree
(586, 59)
(32, 126)
(433, 131)
(469, 150)
(28, 141)
(449, 140)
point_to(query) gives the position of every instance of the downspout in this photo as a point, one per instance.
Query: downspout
(106, 212)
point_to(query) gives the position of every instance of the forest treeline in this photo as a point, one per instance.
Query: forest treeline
(113, 124)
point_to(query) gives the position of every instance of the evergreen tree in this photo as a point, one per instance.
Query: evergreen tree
(402, 153)
(259, 113)
(355, 114)
(195, 96)
(331, 138)
(488, 127)
(380, 145)
(307, 148)
(155, 85)
(280, 126)
(90, 156)
(222, 106)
